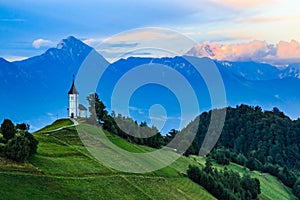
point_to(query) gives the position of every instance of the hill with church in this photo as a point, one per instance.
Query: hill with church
(63, 168)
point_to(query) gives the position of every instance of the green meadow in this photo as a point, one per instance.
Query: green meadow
(64, 169)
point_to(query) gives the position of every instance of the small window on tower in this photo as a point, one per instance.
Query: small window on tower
(72, 98)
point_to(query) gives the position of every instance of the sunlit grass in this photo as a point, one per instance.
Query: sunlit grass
(64, 169)
(57, 124)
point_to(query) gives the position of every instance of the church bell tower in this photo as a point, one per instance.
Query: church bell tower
(73, 101)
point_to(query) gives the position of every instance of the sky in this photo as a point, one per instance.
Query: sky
(259, 30)
(29, 27)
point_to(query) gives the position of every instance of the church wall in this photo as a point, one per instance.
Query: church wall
(73, 105)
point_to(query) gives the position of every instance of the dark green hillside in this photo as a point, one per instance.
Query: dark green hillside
(64, 169)
(269, 137)
(266, 141)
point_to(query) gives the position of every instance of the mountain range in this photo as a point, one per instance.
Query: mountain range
(35, 90)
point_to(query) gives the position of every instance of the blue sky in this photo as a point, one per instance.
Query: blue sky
(223, 21)
(263, 30)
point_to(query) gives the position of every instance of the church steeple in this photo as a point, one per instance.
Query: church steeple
(73, 101)
(73, 88)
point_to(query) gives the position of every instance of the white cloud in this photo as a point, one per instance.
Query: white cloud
(41, 42)
(50, 114)
(11, 58)
(92, 42)
(136, 109)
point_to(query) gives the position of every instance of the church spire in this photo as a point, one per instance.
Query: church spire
(73, 88)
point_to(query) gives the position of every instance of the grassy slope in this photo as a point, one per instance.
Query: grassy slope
(64, 169)
(57, 124)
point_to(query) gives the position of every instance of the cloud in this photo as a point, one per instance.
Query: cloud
(41, 42)
(136, 109)
(149, 41)
(243, 3)
(123, 44)
(288, 50)
(232, 35)
(144, 34)
(12, 58)
(258, 51)
(50, 114)
(119, 44)
(268, 19)
(93, 42)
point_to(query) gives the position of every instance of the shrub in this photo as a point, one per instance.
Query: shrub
(18, 148)
(33, 142)
(8, 129)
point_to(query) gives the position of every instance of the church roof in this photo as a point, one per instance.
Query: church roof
(82, 107)
(73, 89)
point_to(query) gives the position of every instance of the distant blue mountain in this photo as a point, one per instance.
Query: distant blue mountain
(261, 71)
(243, 84)
(252, 70)
(35, 90)
(293, 70)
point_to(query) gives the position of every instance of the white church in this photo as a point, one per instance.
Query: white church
(75, 109)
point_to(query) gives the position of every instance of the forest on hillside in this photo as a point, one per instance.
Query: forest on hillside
(266, 141)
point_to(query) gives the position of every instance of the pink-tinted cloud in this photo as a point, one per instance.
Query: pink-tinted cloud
(243, 3)
(288, 50)
(268, 19)
(258, 51)
(253, 49)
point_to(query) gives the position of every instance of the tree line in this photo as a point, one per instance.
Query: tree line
(224, 156)
(226, 184)
(121, 126)
(267, 141)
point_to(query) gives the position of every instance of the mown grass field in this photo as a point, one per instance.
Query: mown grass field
(57, 124)
(64, 169)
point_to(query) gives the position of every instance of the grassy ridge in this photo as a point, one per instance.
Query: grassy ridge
(64, 169)
(20, 186)
(57, 124)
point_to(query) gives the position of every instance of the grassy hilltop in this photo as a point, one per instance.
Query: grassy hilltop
(64, 169)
